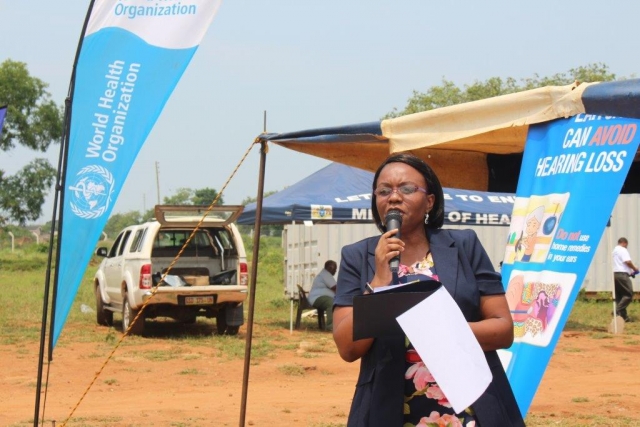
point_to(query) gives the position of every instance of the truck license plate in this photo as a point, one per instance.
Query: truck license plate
(198, 300)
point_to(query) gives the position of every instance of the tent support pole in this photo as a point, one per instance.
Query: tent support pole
(253, 282)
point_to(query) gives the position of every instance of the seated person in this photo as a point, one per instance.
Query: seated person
(323, 290)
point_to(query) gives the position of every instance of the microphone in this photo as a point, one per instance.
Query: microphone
(394, 220)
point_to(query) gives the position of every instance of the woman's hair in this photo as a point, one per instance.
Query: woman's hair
(436, 215)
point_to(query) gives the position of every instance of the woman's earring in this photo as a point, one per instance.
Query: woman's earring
(426, 218)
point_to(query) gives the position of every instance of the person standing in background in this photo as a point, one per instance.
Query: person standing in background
(623, 270)
(323, 291)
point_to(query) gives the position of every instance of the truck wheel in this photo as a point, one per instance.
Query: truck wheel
(103, 317)
(232, 330)
(221, 321)
(128, 315)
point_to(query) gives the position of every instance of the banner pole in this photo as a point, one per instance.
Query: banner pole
(613, 285)
(58, 203)
(63, 176)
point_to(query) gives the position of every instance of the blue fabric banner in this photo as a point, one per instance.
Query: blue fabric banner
(572, 172)
(132, 56)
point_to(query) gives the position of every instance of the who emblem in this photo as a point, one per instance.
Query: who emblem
(321, 212)
(91, 193)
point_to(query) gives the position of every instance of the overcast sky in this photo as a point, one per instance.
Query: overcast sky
(313, 64)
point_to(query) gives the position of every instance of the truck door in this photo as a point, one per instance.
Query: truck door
(114, 266)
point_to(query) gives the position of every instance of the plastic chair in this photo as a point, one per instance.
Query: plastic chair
(303, 304)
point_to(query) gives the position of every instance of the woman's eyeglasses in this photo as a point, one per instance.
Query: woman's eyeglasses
(404, 190)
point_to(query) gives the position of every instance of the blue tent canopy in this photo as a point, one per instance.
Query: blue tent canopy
(342, 194)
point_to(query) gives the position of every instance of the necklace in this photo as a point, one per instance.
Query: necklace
(426, 262)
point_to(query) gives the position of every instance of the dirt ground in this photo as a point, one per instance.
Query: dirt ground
(165, 382)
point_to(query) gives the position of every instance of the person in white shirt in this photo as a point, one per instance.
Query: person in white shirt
(323, 290)
(623, 270)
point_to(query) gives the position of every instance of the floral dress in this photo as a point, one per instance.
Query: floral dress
(424, 403)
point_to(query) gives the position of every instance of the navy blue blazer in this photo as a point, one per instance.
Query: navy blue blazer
(465, 270)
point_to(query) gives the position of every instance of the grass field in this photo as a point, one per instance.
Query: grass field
(22, 275)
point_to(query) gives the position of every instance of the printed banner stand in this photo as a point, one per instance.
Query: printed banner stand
(571, 176)
(131, 58)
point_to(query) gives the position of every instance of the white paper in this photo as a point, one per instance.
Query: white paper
(442, 337)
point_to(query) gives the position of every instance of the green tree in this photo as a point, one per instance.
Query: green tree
(118, 221)
(449, 94)
(181, 197)
(34, 121)
(205, 196)
(188, 196)
(150, 213)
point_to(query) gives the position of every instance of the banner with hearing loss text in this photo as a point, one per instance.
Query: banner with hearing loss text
(572, 172)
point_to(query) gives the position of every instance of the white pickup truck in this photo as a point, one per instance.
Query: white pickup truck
(208, 279)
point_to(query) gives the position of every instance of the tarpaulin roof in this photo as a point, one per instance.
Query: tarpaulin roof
(474, 145)
(340, 193)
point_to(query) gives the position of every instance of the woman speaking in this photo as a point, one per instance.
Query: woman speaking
(394, 387)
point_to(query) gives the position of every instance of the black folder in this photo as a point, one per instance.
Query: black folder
(374, 315)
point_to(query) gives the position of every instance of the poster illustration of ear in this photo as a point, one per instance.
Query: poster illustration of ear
(571, 174)
(536, 301)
